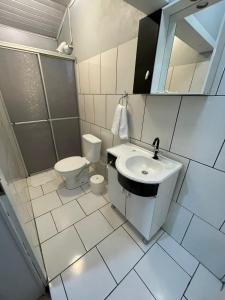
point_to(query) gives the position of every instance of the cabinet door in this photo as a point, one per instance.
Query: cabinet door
(139, 211)
(115, 190)
(146, 52)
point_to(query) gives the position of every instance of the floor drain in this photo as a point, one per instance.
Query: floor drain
(144, 172)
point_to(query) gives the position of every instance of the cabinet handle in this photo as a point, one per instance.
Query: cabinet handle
(147, 75)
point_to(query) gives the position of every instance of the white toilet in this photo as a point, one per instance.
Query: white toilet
(72, 167)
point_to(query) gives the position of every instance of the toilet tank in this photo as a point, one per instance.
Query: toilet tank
(91, 147)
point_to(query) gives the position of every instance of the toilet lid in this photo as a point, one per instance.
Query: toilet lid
(71, 163)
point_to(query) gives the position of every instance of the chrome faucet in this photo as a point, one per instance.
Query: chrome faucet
(156, 148)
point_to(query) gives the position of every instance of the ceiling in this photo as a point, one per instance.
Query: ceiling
(39, 16)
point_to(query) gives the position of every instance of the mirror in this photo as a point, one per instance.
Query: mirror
(192, 47)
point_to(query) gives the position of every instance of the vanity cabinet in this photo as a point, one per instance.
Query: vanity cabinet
(139, 212)
(116, 192)
(145, 205)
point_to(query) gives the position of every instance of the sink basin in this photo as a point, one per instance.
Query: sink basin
(138, 165)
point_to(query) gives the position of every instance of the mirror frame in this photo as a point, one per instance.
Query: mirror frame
(170, 14)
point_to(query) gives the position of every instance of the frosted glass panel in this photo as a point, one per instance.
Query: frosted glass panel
(21, 86)
(36, 145)
(60, 85)
(67, 137)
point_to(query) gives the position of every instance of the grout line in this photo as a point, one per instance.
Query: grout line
(186, 229)
(190, 281)
(219, 153)
(222, 226)
(80, 238)
(178, 112)
(178, 195)
(174, 260)
(106, 264)
(106, 219)
(64, 286)
(54, 222)
(133, 239)
(221, 78)
(143, 118)
(144, 283)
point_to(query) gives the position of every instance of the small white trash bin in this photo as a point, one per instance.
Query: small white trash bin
(97, 184)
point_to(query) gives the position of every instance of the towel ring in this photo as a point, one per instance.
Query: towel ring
(124, 97)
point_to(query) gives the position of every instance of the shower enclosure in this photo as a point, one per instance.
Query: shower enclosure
(39, 124)
(39, 93)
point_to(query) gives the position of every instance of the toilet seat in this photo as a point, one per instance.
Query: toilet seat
(71, 164)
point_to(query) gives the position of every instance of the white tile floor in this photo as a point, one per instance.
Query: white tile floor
(92, 253)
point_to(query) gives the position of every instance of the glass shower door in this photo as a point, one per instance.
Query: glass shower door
(22, 89)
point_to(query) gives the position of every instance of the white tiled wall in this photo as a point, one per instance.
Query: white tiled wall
(191, 130)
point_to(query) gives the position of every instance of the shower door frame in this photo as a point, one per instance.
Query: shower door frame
(37, 52)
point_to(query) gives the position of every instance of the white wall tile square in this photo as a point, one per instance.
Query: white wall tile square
(91, 202)
(100, 110)
(111, 103)
(220, 162)
(45, 203)
(46, 227)
(204, 286)
(179, 254)
(108, 71)
(164, 278)
(88, 278)
(81, 105)
(207, 244)
(177, 221)
(84, 77)
(127, 253)
(85, 127)
(181, 78)
(94, 74)
(89, 108)
(131, 288)
(67, 215)
(198, 121)
(107, 140)
(57, 290)
(96, 131)
(126, 66)
(159, 119)
(203, 193)
(182, 173)
(136, 106)
(62, 250)
(93, 229)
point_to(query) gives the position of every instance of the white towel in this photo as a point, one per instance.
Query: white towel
(120, 125)
(123, 131)
(116, 120)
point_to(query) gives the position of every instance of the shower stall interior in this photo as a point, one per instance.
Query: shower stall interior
(39, 124)
(39, 93)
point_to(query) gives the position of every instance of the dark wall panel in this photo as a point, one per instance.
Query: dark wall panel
(21, 86)
(60, 85)
(67, 137)
(36, 144)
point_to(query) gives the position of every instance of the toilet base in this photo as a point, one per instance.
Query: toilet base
(73, 182)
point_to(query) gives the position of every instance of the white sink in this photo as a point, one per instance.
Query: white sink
(138, 165)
